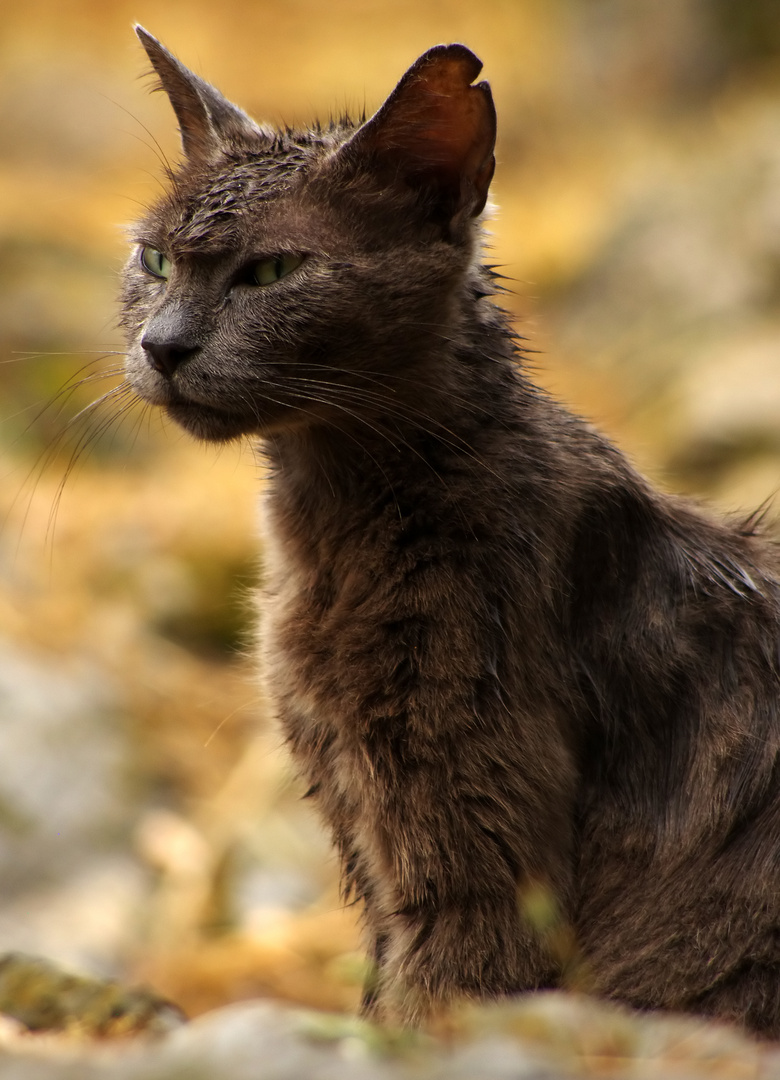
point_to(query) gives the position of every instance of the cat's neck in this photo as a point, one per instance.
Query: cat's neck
(439, 408)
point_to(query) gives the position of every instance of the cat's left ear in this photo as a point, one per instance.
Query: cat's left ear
(207, 120)
(436, 132)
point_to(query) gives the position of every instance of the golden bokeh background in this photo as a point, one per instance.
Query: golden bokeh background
(148, 824)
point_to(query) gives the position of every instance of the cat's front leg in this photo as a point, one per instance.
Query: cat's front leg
(449, 914)
(370, 1003)
(430, 958)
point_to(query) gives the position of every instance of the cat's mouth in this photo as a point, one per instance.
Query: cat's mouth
(208, 422)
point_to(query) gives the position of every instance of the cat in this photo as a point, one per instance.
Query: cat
(534, 699)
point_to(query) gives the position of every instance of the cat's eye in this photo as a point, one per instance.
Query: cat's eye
(155, 263)
(267, 271)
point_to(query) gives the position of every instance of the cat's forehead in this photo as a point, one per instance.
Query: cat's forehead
(212, 207)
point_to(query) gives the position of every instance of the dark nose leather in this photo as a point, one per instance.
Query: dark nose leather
(166, 356)
(171, 337)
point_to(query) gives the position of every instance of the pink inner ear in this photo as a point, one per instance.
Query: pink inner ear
(437, 128)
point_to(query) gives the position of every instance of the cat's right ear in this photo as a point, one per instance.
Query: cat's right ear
(435, 133)
(207, 120)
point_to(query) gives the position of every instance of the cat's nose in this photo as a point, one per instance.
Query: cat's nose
(166, 356)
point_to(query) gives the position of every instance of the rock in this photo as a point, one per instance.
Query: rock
(551, 1036)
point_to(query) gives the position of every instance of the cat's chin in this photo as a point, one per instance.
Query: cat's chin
(209, 424)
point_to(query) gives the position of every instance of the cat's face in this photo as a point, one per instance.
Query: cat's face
(300, 278)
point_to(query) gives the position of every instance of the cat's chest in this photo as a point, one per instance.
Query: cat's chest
(320, 638)
(359, 610)
(319, 601)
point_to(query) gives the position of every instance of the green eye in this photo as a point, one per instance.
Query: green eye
(155, 263)
(267, 271)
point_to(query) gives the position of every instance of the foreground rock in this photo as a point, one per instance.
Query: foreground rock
(541, 1037)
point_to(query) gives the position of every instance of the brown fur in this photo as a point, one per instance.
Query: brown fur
(506, 666)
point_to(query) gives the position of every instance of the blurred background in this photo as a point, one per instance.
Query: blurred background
(149, 826)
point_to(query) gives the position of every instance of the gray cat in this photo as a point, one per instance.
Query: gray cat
(507, 667)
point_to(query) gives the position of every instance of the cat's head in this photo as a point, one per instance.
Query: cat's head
(293, 278)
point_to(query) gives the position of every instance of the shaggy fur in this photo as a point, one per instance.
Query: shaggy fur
(535, 700)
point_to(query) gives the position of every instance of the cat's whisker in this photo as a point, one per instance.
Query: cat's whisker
(30, 482)
(111, 421)
(396, 441)
(116, 391)
(403, 411)
(37, 354)
(349, 435)
(382, 378)
(63, 395)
